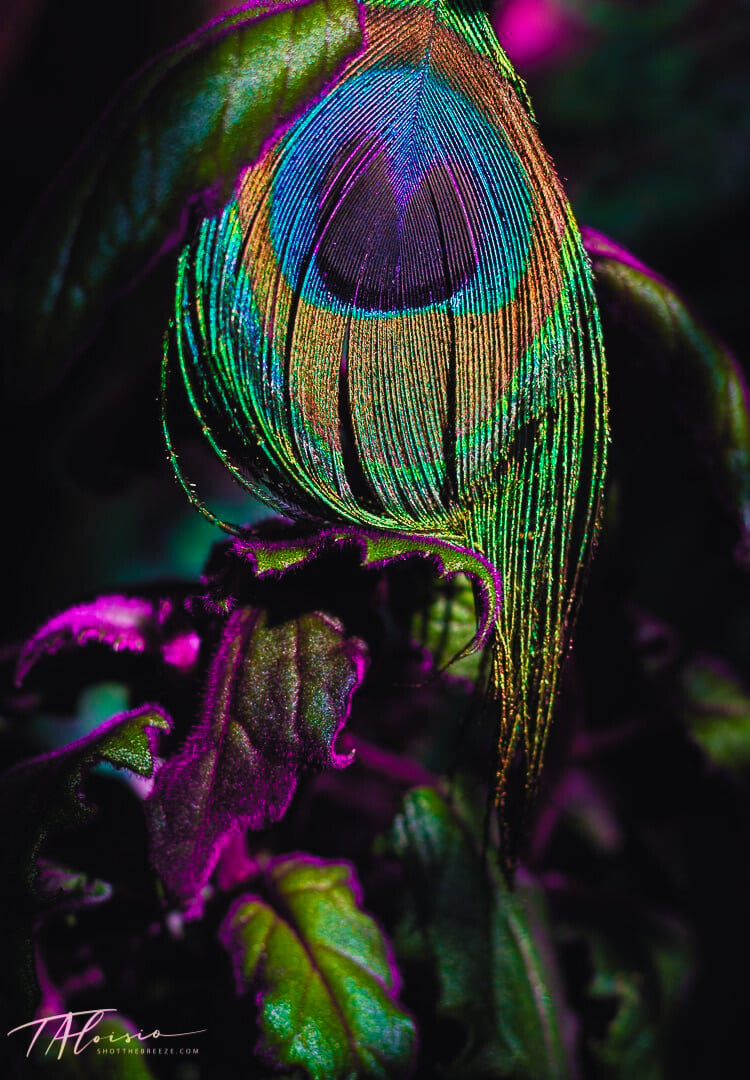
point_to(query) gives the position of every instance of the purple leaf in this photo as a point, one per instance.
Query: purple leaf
(124, 623)
(277, 697)
(181, 651)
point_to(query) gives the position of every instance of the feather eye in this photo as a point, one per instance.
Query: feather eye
(392, 326)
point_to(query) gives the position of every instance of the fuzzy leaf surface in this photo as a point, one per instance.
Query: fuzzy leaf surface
(124, 623)
(278, 695)
(45, 793)
(127, 624)
(326, 985)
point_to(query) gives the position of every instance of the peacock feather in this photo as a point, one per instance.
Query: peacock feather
(391, 328)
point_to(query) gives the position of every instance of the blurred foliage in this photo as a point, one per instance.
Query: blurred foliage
(489, 947)
(176, 135)
(645, 110)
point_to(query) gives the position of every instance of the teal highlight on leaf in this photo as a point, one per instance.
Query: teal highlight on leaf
(327, 989)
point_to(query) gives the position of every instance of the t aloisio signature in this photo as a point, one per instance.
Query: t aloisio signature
(80, 1040)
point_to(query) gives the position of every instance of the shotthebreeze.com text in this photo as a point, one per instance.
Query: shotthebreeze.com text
(59, 1033)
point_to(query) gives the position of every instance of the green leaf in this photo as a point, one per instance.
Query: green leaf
(629, 1050)
(277, 698)
(326, 986)
(485, 944)
(716, 708)
(184, 127)
(378, 549)
(697, 375)
(637, 1037)
(448, 623)
(44, 795)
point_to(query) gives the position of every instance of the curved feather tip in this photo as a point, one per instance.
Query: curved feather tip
(392, 328)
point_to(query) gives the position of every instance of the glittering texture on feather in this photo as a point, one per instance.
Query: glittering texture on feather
(392, 325)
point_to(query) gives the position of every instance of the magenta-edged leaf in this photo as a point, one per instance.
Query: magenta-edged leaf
(124, 623)
(675, 356)
(41, 796)
(322, 973)
(378, 549)
(277, 697)
(181, 129)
